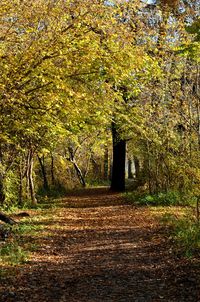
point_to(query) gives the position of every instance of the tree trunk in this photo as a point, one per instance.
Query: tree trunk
(52, 170)
(31, 182)
(137, 168)
(119, 157)
(197, 209)
(149, 168)
(6, 219)
(29, 178)
(130, 168)
(79, 174)
(20, 192)
(96, 167)
(27, 175)
(44, 174)
(105, 164)
(2, 194)
(77, 169)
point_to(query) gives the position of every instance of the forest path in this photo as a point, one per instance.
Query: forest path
(93, 247)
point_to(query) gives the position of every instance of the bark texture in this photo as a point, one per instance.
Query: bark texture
(119, 157)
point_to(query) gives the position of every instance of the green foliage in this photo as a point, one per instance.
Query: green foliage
(192, 48)
(11, 189)
(55, 191)
(169, 198)
(97, 182)
(26, 228)
(12, 253)
(69, 68)
(194, 29)
(16, 249)
(185, 231)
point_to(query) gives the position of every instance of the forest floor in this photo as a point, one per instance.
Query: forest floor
(93, 246)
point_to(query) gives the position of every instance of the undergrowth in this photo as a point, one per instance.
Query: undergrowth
(16, 248)
(55, 191)
(184, 227)
(97, 182)
(170, 198)
(185, 231)
(13, 253)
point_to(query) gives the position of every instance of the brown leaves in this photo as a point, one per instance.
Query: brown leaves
(170, 3)
(94, 247)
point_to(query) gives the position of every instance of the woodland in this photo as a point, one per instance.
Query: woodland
(78, 77)
(100, 93)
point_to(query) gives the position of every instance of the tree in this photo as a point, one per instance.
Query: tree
(59, 62)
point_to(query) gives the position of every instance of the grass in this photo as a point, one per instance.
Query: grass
(177, 212)
(17, 247)
(24, 237)
(185, 231)
(170, 198)
(183, 228)
(27, 228)
(12, 253)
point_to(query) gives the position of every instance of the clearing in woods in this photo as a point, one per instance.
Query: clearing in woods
(93, 246)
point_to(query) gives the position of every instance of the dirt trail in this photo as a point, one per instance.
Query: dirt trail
(97, 248)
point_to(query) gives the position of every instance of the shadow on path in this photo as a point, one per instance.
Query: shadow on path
(100, 249)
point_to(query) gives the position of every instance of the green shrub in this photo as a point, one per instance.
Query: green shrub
(169, 198)
(15, 250)
(95, 182)
(12, 253)
(185, 232)
(27, 228)
(11, 189)
(55, 191)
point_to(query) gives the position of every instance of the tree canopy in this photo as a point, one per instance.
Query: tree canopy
(70, 70)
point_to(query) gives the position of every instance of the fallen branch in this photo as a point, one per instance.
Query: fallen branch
(6, 219)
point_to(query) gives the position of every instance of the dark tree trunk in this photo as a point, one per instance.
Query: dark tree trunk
(20, 192)
(105, 164)
(137, 168)
(52, 171)
(119, 157)
(44, 174)
(197, 210)
(6, 219)
(2, 194)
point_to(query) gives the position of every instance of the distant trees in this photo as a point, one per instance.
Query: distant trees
(168, 139)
